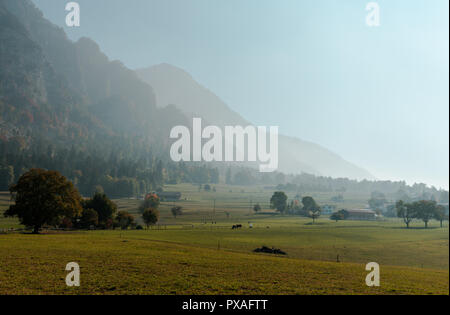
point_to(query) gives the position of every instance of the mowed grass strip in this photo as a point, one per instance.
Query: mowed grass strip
(112, 263)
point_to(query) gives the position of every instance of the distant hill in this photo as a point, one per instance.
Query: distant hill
(173, 85)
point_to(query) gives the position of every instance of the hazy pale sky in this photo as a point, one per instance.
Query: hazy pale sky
(376, 96)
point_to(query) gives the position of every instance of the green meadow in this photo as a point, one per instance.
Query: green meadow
(199, 253)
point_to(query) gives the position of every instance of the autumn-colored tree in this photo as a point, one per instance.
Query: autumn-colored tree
(43, 197)
(150, 201)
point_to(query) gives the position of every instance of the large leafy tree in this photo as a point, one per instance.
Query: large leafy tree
(425, 210)
(278, 201)
(43, 198)
(311, 208)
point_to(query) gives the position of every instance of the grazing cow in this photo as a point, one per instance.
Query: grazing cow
(237, 226)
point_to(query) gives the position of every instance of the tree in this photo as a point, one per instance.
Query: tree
(337, 216)
(124, 219)
(440, 214)
(309, 204)
(405, 211)
(257, 208)
(150, 201)
(150, 216)
(425, 210)
(314, 215)
(278, 201)
(89, 217)
(43, 197)
(311, 208)
(177, 211)
(104, 207)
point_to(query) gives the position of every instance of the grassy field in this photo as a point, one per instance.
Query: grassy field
(191, 255)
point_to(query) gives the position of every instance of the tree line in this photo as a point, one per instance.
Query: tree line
(424, 210)
(115, 174)
(308, 207)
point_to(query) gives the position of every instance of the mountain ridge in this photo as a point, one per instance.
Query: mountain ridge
(173, 85)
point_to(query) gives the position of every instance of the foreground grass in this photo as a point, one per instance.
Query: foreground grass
(190, 255)
(113, 263)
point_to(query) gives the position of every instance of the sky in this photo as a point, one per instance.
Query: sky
(377, 96)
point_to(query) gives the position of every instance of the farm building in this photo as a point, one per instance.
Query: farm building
(169, 196)
(360, 214)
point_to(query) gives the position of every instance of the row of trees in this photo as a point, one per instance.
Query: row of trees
(424, 210)
(308, 206)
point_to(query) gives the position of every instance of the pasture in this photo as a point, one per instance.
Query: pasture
(199, 253)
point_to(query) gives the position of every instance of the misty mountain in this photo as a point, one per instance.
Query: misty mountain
(70, 92)
(172, 85)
